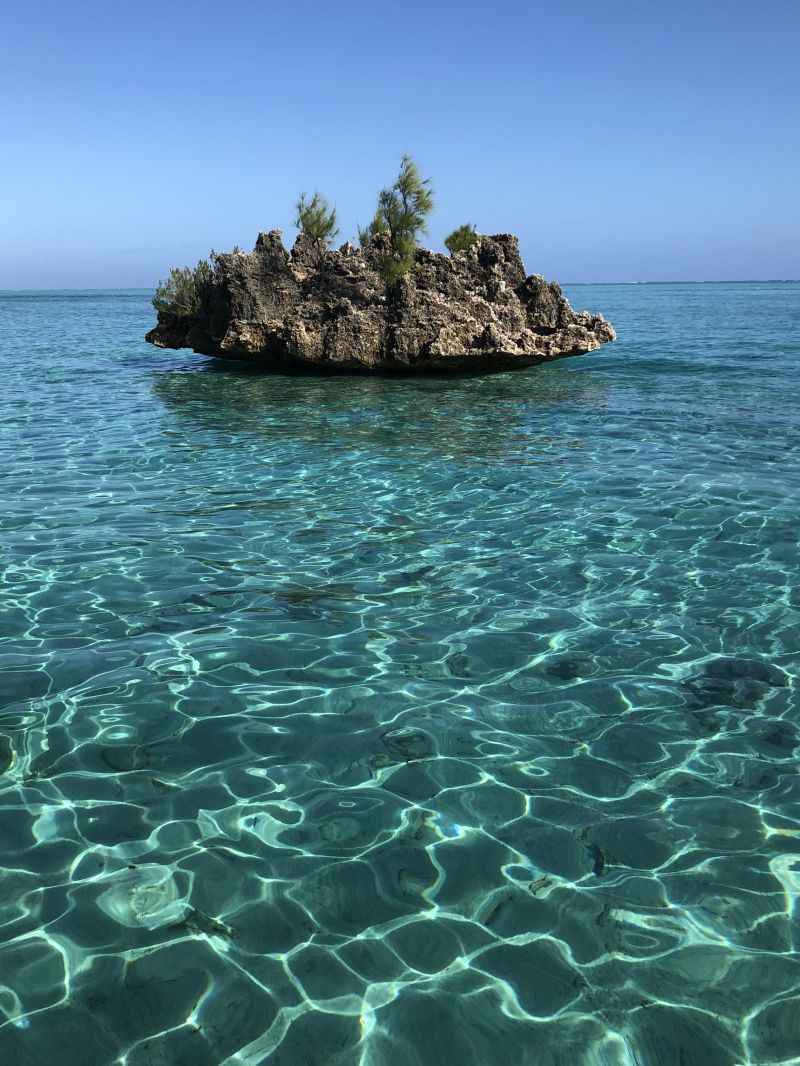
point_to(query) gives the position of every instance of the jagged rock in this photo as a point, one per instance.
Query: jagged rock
(331, 309)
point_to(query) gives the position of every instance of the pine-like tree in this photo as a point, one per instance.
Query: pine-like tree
(316, 218)
(461, 239)
(402, 212)
(376, 227)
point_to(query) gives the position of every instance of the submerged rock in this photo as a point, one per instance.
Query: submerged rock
(734, 682)
(331, 310)
(731, 668)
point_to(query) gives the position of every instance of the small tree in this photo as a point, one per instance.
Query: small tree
(461, 239)
(376, 227)
(316, 218)
(183, 291)
(402, 212)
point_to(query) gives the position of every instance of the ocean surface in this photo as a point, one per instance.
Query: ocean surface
(385, 722)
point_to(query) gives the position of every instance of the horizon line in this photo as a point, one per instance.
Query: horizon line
(688, 281)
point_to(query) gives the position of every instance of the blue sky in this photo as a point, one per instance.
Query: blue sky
(621, 141)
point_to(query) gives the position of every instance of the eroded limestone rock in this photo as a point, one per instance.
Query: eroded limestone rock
(330, 309)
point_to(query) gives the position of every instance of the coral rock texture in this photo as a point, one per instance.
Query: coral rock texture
(331, 310)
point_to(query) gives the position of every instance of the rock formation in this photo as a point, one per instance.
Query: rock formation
(331, 310)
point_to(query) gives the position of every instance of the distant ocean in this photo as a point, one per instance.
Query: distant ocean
(378, 722)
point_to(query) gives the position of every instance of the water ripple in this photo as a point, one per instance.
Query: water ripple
(373, 721)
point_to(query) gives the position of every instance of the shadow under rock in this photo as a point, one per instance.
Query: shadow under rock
(488, 416)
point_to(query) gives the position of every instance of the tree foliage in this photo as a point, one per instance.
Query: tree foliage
(183, 291)
(401, 213)
(376, 227)
(461, 239)
(400, 217)
(316, 218)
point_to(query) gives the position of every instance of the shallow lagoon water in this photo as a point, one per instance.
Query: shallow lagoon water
(382, 721)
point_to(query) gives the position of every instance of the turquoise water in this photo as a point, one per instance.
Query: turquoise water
(386, 722)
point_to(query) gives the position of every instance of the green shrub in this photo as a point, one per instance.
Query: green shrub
(402, 212)
(316, 218)
(183, 291)
(461, 239)
(376, 227)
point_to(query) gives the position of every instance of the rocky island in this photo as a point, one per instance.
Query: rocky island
(389, 305)
(329, 309)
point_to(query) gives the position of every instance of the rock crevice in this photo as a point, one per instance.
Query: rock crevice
(330, 309)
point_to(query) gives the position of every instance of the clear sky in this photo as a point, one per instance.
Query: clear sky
(637, 140)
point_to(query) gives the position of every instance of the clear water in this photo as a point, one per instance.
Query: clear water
(374, 721)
